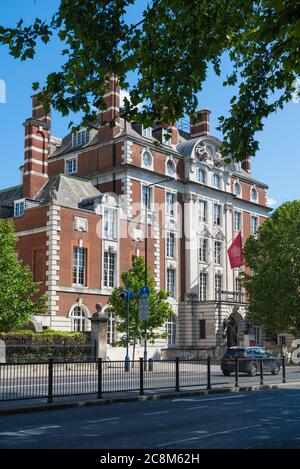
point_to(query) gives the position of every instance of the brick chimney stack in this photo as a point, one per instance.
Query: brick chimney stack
(112, 101)
(37, 136)
(246, 165)
(200, 126)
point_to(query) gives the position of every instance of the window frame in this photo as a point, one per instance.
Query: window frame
(78, 319)
(171, 208)
(202, 214)
(217, 217)
(146, 133)
(170, 326)
(71, 160)
(236, 212)
(254, 231)
(203, 249)
(81, 137)
(218, 254)
(170, 291)
(203, 286)
(17, 204)
(110, 233)
(218, 177)
(109, 274)
(149, 197)
(170, 245)
(199, 179)
(79, 271)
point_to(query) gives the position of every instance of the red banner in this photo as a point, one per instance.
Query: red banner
(235, 252)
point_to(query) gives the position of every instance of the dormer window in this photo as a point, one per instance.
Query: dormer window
(166, 137)
(238, 166)
(147, 132)
(81, 137)
(19, 207)
(71, 166)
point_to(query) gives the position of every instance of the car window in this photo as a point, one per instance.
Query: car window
(234, 352)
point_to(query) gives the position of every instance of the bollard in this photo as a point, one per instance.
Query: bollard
(141, 376)
(208, 373)
(283, 370)
(177, 374)
(99, 392)
(236, 372)
(50, 381)
(261, 372)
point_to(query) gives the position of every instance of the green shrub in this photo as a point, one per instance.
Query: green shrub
(40, 346)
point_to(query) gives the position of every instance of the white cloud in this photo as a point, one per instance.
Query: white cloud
(271, 202)
(125, 94)
(296, 94)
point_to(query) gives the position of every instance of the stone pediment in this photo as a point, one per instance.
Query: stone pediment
(219, 235)
(205, 233)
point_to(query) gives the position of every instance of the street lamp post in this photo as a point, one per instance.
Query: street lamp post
(146, 253)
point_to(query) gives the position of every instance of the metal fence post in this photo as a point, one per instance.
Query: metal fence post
(141, 376)
(261, 372)
(50, 380)
(237, 372)
(177, 373)
(208, 373)
(150, 368)
(99, 391)
(283, 370)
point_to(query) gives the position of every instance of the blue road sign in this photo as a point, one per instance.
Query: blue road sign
(145, 291)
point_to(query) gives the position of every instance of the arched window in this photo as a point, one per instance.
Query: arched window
(171, 331)
(111, 329)
(147, 159)
(171, 168)
(78, 319)
(237, 188)
(253, 194)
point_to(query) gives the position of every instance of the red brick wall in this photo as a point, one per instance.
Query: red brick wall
(69, 238)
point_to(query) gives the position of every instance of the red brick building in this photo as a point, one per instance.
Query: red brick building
(80, 210)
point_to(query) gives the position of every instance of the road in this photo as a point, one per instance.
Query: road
(264, 419)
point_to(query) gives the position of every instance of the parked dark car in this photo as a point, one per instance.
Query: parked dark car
(249, 361)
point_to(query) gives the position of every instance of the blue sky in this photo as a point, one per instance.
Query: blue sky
(277, 163)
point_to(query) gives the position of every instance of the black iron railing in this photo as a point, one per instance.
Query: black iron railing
(52, 378)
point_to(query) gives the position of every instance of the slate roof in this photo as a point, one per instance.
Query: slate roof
(7, 197)
(68, 191)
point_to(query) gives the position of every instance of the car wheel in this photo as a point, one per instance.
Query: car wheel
(226, 373)
(252, 371)
(276, 369)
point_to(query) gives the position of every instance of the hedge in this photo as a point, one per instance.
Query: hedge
(39, 346)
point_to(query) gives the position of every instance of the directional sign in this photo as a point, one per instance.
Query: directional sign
(145, 291)
(144, 308)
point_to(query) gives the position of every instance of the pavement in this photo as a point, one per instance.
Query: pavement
(265, 419)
